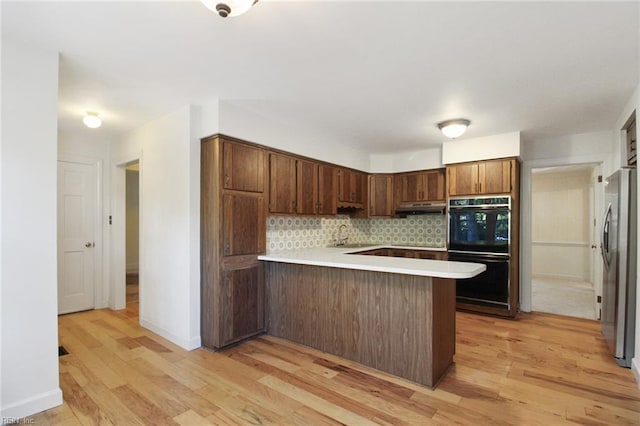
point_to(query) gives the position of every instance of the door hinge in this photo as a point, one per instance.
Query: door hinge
(599, 299)
(599, 178)
(110, 220)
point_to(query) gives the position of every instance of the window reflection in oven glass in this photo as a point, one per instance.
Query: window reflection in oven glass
(481, 227)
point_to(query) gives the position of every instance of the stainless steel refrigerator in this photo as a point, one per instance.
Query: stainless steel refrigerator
(620, 263)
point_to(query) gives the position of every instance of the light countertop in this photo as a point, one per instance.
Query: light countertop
(340, 257)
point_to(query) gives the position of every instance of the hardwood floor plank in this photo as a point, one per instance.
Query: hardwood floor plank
(144, 409)
(537, 370)
(317, 403)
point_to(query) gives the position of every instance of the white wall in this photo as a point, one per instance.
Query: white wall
(406, 161)
(560, 225)
(244, 124)
(28, 255)
(477, 149)
(169, 153)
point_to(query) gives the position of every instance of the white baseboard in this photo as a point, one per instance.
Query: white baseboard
(188, 344)
(635, 367)
(30, 406)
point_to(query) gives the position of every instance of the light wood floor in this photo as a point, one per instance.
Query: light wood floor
(538, 370)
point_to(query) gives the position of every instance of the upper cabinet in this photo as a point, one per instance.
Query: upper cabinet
(481, 177)
(426, 185)
(301, 186)
(243, 167)
(327, 189)
(381, 196)
(352, 188)
(282, 184)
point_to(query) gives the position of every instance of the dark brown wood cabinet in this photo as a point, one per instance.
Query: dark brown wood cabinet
(481, 177)
(327, 189)
(352, 188)
(381, 196)
(301, 186)
(630, 129)
(233, 222)
(423, 186)
(242, 295)
(243, 167)
(243, 224)
(282, 184)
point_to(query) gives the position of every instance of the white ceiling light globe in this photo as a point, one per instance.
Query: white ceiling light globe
(226, 8)
(92, 120)
(454, 128)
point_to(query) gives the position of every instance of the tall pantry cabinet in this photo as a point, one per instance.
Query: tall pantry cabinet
(233, 219)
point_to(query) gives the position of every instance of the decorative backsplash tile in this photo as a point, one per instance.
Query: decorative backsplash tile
(285, 233)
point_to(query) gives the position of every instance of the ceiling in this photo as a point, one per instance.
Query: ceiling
(378, 75)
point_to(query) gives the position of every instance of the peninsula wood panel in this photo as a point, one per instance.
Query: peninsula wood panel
(382, 320)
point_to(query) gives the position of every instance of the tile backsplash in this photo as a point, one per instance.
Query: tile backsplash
(286, 233)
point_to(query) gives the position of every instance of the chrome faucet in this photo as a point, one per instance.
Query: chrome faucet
(343, 235)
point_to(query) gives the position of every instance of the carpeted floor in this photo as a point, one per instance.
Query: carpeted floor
(562, 297)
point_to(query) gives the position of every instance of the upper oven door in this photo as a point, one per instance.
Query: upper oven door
(479, 229)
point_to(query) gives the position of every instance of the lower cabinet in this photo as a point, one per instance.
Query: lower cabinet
(242, 295)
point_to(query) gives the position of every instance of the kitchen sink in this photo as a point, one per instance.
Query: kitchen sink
(354, 245)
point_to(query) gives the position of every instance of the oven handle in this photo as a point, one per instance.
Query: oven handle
(465, 257)
(480, 208)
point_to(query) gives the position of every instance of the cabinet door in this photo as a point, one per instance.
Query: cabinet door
(327, 189)
(494, 177)
(344, 182)
(243, 167)
(380, 196)
(242, 292)
(463, 179)
(282, 184)
(434, 190)
(359, 187)
(412, 187)
(243, 224)
(307, 187)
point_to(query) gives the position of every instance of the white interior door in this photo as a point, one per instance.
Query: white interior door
(76, 236)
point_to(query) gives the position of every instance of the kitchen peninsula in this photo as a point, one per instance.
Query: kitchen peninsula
(393, 314)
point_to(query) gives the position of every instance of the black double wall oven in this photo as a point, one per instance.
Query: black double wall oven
(480, 232)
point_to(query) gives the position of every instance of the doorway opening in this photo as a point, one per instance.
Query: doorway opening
(564, 237)
(132, 238)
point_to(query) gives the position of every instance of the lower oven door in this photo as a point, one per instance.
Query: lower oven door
(490, 288)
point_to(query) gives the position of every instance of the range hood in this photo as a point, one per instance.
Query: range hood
(410, 209)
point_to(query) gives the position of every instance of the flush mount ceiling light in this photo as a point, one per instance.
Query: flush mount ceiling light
(92, 120)
(454, 128)
(226, 8)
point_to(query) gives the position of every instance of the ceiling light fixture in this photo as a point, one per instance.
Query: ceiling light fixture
(92, 120)
(454, 128)
(226, 8)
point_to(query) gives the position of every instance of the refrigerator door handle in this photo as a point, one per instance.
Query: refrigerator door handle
(604, 245)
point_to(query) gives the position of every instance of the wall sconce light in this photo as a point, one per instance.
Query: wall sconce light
(226, 8)
(92, 120)
(454, 128)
